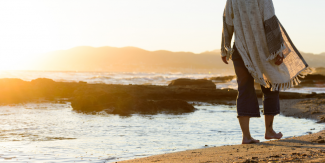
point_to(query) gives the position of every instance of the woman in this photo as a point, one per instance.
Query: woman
(262, 52)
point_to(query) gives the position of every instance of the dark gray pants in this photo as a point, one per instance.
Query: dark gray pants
(247, 103)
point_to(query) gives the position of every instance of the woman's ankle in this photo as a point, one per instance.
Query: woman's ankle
(269, 131)
(247, 137)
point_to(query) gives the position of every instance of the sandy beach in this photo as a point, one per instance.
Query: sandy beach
(307, 148)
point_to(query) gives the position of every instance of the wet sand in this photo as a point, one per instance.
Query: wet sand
(307, 148)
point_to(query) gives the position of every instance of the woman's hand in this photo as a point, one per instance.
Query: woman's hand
(224, 59)
(278, 60)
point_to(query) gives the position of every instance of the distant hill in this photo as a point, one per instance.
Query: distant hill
(128, 59)
(314, 60)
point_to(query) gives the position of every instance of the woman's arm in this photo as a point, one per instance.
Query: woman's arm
(227, 32)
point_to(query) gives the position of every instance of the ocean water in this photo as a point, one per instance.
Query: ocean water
(53, 132)
(106, 77)
(47, 132)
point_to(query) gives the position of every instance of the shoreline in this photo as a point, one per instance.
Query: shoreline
(306, 148)
(150, 99)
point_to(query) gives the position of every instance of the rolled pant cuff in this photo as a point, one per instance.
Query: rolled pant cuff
(248, 115)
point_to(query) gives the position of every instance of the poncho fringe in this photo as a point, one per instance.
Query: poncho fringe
(290, 84)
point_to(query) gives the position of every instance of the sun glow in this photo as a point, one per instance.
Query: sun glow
(26, 32)
(16, 63)
(30, 29)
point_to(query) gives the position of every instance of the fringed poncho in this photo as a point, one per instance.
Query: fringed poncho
(259, 38)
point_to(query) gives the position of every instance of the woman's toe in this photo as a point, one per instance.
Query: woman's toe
(252, 141)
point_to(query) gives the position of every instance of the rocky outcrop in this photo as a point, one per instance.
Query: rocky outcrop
(120, 99)
(313, 80)
(169, 106)
(222, 79)
(14, 91)
(192, 83)
(19, 91)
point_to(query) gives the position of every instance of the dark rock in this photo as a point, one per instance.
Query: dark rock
(192, 83)
(126, 100)
(123, 99)
(313, 94)
(313, 77)
(291, 95)
(44, 87)
(11, 81)
(173, 106)
(82, 82)
(222, 79)
(14, 91)
(43, 82)
(124, 103)
(312, 80)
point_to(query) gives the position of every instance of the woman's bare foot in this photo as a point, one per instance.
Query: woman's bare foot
(273, 135)
(249, 141)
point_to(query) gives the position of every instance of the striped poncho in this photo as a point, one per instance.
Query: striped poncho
(259, 38)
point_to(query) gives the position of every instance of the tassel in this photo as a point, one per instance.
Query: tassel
(298, 80)
(273, 55)
(283, 86)
(302, 76)
(286, 86)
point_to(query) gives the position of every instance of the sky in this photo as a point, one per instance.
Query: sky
(32, 28)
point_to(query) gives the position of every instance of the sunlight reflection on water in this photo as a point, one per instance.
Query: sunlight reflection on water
(54, 133)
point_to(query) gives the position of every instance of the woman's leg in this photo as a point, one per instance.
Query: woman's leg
(244, 124)
(271, 104)
(247, 104)
(269, 132)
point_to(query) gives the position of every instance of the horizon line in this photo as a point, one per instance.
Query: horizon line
(215, 50)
